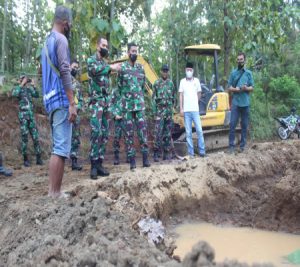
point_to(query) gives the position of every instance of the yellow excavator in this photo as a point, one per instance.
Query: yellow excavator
(214, 103)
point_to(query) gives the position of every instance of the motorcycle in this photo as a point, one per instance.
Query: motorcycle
(288, 125)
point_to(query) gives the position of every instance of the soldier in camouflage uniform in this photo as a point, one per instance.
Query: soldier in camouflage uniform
(163, 99)
(24, 92)
(99, 72)
(131, 105)
(118, 127)
(75, 144)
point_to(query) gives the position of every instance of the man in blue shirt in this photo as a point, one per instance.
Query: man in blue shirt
(240, 84)
(58, 95)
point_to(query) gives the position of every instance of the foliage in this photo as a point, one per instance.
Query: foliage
(284, 93)
(262, 126)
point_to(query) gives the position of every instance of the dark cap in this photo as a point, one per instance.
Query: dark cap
(189, 65)
(165, 67)
(63, 13)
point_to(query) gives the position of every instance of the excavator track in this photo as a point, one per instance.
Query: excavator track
(215, 139)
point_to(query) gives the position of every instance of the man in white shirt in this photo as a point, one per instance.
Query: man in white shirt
(189, 95)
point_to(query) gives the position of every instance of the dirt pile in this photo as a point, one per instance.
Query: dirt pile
(97, 226)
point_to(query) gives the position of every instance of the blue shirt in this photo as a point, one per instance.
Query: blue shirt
(241, 99)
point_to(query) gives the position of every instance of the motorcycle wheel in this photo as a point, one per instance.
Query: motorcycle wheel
(283, 133)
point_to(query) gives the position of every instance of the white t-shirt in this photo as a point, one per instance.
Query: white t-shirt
(190, 89)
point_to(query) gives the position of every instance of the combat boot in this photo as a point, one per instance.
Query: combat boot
(146, 162)
(155, 156)
(132, 163)
(117, 158)
(4, 171)
(39, 159)
(94, 169)
(101, 171)
(166, 156)
(75, 165)
(26, 161)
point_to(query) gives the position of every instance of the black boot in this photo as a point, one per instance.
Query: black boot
(4, 171)
(26, 161)
(132, 163)
(39, 159)
(75, 165)
(101, 171)
(94, 164)
(117, 158)
(146, 162)
(155, 156)
(166, 156)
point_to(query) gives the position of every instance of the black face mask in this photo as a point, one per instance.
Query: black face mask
(74, 72)
(103, 52)
(241, 65)
(67, 32)
(133, 57)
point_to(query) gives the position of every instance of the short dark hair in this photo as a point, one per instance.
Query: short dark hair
(131, 44)
(74, 61)
(62, 13)
(189, 65)
(100, 38)
(240, 53)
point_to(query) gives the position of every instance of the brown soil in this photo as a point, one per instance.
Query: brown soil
(97, 225)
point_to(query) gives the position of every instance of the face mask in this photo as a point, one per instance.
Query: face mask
(67, 31)
(103, 52)
(73, 72)
(189, 74)
(133, 57)
(241, 65)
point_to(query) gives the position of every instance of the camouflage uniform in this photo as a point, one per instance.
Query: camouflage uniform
(118, 124)
(98, 71)
(163, 99)
(76, 125)
(131, 105)
(26, 117)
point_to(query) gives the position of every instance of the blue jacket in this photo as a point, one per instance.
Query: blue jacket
(54, 95)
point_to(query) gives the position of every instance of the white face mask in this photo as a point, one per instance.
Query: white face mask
(189, 74)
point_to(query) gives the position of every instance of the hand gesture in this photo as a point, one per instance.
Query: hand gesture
(24, 81)
(244, 87)
(116, 66)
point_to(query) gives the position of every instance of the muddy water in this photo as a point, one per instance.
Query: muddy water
(244, 244)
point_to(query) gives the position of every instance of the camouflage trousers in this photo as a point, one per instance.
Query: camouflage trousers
(99, 130)
(75, 144)
(119, 132)
(28, 125)
(131, 119)
(163, 134)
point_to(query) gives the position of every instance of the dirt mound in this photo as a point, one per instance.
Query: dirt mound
(97, 226)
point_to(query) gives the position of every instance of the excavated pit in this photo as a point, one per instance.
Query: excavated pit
(98, 225)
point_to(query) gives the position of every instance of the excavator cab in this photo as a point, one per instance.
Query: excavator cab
(214, 106)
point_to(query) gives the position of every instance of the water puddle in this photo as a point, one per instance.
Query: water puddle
(243, 244)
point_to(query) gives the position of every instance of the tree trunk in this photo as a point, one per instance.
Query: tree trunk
(3, 37)
(177, 68)
(227, 46)
(29, 36)
(150, 38)
(111, 19)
